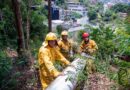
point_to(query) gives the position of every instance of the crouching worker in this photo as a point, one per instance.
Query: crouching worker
(89, 47)
(65, 45)
(48, 54)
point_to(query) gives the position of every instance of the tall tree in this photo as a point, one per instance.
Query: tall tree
(49, 16)
(18, 18)
(28, 24)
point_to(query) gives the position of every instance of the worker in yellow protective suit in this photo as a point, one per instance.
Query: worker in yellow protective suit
(65, 45)
(89, 47)
(47, 56)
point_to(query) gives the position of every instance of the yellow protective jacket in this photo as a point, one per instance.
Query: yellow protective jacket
(65, 48)
(89, 48)
(46, 58)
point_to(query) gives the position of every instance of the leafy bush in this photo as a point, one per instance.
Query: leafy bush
(7, 28)
(120, 7)
(104, 38)
(110, 41)
(80, 35)
(76, 15)
(127, 24)
(38, 29)
(60, 2)
(7, 81)
(122, 41)
(92, 14)
(109, 15)
(124, 76)
(8, 32)
(59, 29)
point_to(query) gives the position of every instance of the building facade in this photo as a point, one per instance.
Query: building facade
(77, 7)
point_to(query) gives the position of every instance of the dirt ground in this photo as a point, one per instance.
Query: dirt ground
(99, 81)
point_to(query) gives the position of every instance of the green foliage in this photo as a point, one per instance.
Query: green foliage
(124, 72)
(38, 29)
(100, 6)
(58, 65)
(35, 45)
(81, 1)
(104, 38)
(80, 35)
(121, 8)
(109, 15)
(104, 68)
(8, 37)
(127, 24)
(7, 27)
(8, 32)
(101, 66)
(82, 76)
(76, 15)
(122, 36)
(109, 43)
(59, 29)
(94, 9)
(36, 2)
(4, 3)
(7, 82)
(121, 63)
(60, 2)
(124, 76)
(92, 14)
(86, 2)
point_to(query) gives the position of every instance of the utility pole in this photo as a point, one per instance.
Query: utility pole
(49, 16)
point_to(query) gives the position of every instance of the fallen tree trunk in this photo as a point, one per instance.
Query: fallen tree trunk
(125, 58)
(69, 79)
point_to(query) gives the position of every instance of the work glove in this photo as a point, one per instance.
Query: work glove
(56, 73)
(91, 51)
(71, 53)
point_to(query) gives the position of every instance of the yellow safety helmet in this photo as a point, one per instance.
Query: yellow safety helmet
(49, 36)
(64, 33)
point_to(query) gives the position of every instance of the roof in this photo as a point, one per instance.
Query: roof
(57, 21)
